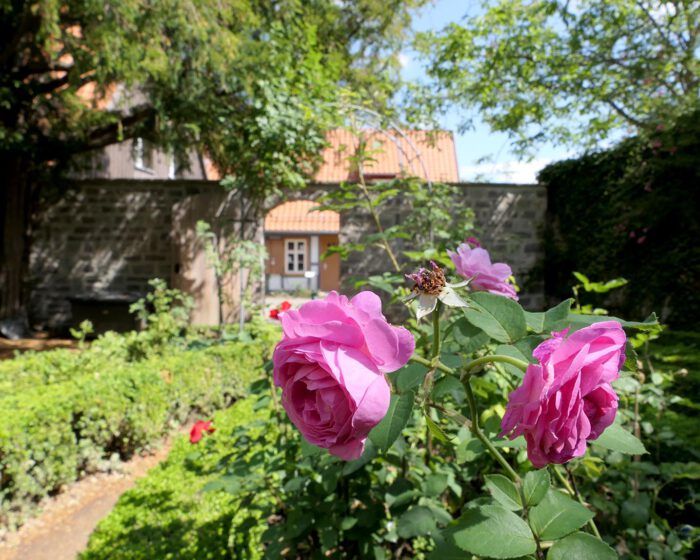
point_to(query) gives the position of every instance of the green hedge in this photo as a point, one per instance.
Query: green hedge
(631, 211)
(167, 515)
(66, 413)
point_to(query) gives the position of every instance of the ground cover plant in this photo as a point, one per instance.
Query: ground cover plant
(424, 468)
(77, 412)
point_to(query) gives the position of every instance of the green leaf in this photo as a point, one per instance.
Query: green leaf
(535, 486)
(499, 317)
(556, 516)
(616, 438)
(581, 546)
(493, 531)
(469, 337)
(436, 430)
(577, 321)
(409, 377)
(449, 385)
(435, 484)
(635, 512)
(535, 320)
(557, 317)
(504, 491)
(416, 521)
(385, 433)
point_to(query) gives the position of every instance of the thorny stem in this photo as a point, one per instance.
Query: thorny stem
(430, 365)
(437, 364)
(493, 358)
(495, 453)
(456, 416)
(476, 430)
(436, 331)
(377, 221)
(574, 493)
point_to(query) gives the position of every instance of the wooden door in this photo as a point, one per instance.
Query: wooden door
(330, 266)
(192, 273)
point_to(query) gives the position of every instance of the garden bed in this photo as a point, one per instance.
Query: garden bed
(74, 413)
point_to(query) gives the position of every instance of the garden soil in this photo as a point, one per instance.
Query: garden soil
(66, 521)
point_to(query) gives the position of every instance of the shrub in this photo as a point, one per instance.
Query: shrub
(69, 412)
(166, 515)
(630, 212)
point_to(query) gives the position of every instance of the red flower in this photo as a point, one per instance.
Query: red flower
(274, 314)
(285, 306)
(197, 431)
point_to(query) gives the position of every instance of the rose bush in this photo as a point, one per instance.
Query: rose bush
(330, 365)
(567, 399)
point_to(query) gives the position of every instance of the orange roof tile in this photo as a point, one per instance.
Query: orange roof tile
(418, 153)
(298, 216)
(425, 154)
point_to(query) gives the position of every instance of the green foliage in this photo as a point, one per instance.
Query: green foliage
(77, 412)
(167, 515)
(164, 314)
(630, 212)
(564, 72)
(437, 481)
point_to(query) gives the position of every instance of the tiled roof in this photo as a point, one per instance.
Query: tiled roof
(418, 153)
(429, 155)
(297, 216)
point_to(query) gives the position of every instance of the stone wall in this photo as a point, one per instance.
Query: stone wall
(103, 239)
(106, 239)
(509, 221)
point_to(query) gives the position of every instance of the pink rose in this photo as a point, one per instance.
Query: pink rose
(567, 399)
(471, 261)
(331, 364)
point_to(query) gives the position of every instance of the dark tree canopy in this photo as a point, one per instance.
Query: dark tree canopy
(251, 82)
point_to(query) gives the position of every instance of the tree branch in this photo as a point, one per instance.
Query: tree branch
(124, 127)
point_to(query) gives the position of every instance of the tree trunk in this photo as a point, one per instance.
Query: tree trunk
(14, 232)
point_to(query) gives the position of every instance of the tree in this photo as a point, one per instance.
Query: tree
(570, 72)
(250, 82)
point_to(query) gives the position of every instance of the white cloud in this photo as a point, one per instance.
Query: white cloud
(503, 171)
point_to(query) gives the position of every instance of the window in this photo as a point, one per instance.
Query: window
(143, 155)
(295, 255)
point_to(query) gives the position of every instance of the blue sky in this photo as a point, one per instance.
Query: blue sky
(479, 142)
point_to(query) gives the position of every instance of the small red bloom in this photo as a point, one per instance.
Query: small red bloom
(274, 314)
(197, 431)
(285, 306)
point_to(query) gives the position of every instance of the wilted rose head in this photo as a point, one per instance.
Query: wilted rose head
(567, 399)
(473, 262)
(331, 364)
(199, 429)
(429, 281)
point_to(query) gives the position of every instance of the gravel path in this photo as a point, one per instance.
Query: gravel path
(62, 529)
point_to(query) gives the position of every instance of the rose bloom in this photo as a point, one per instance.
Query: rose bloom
(274, 314)
(198, 430)
(473, 262)
(567, 399)
(331, 364)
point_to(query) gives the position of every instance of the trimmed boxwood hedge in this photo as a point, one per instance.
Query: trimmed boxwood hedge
(67, 413)
(168, 515)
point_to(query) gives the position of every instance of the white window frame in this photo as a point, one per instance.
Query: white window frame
(142, 146)
(295, 253)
